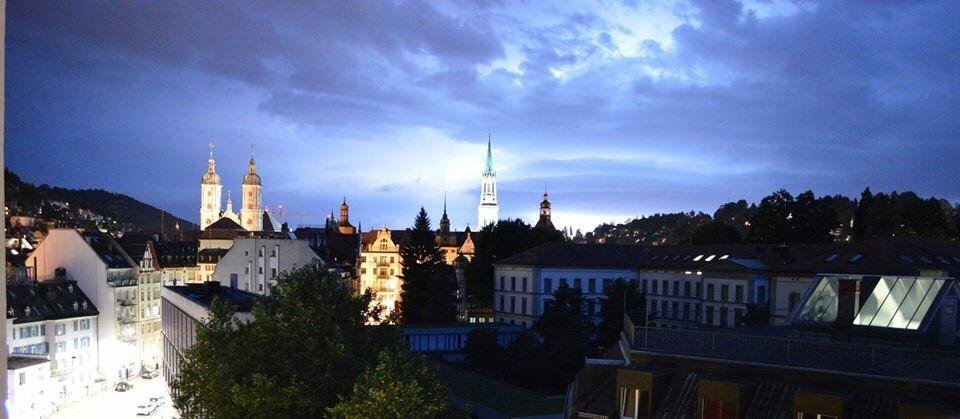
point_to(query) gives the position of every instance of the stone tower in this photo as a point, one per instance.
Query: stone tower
(210, 189)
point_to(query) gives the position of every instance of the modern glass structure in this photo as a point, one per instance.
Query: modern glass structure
(894, 302)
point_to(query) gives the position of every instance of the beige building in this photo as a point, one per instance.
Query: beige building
(380, 267)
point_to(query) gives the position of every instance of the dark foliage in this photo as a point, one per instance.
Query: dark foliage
(429, 287)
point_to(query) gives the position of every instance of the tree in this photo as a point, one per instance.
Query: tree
(524, 363)
(813, 219)
(771, 221)
(618, 296)
(566, 330)
(429, 289)
(482, 350)
(715, 232)
(400, 385)
(493, 242)
(293, 360)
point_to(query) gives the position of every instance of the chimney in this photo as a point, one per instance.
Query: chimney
(848, 301)
(212, 288)
(60, 273)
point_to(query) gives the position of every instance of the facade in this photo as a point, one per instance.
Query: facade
(185, 308)
(109, 277)
(176, 261)
(524, 283)
(54, 320)
(380, 265)
(252, 264)
(140, 248)
(28, 387)
(489, 210)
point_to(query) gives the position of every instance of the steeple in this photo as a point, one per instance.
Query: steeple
(251, 214)
(444, 220)
(488, 171)
(545, 208)
(488, 212)
(344, 224)
(210, 188)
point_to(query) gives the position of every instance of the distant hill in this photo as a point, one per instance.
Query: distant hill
(83, 207)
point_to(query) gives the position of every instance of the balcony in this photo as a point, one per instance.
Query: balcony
(941, 367)
(122, 280)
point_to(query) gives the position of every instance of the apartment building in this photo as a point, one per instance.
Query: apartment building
(525, 283)
(254, 264)
(110, 278)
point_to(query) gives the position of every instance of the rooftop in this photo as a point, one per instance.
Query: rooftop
(15, 362)
(567, 254)
(203, 294)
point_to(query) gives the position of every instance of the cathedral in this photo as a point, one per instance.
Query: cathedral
(251, 217)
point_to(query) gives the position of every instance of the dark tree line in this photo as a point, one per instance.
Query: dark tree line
(429, 286)
(781, 218)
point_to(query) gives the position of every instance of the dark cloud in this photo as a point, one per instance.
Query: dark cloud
(731, 102)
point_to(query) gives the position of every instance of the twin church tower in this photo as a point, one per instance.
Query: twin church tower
(251, 214)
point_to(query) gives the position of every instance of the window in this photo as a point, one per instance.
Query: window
(724, 293)
(513, 304)
(654, 288)
(23, 378)
(663, 308)
(686, 311)
(523, 305)
(260, 270)
(739, 295)
(501, 284)
(260, 252)
(501, 303)
(653, 307)
(634, 403)
(709, 292)
(676, 288)
(715, 409)
(61, 345)
(724, 317)
(592, 285)
(710, 315)
(666, 287)
(246, 270)
(273, 272)
(524, 281)
(60, 330)
(606, 284)
(676, 310)
(548, 285)
(761, 294)
(563, 282)
(76, 325)
(699, 290)
(576, 284)
(644, 287)
(686, 288)
(513, 283)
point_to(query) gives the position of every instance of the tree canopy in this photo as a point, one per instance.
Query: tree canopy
(620, 295)
(399, 386)
(304, 349)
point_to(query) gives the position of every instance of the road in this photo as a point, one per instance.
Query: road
(112, 404)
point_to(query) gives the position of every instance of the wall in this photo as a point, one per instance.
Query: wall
(257, 262)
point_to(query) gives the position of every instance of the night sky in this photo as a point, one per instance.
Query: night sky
(623, 108)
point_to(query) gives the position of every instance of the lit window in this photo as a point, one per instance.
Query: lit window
(697, 259)
(709, 258)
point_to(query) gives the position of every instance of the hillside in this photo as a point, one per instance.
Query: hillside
(86, 207)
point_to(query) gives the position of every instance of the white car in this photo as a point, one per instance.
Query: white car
(146, 409)
(158, 401)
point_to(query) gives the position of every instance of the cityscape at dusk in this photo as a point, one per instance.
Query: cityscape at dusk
(671, 209)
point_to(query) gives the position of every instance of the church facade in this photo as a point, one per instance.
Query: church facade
(251, 217)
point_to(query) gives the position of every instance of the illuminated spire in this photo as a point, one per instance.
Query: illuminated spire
(489, 168)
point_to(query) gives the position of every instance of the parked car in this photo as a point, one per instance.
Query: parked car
(148, 374)
(123, 386)
(158, 401)
(146, 409)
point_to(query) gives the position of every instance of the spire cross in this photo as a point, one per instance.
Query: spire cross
(211, 150)
(251, 151)
(444, 202)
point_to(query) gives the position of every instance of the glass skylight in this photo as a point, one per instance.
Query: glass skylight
(697, 259)
(899, 302)
(709, 258)
(831, 258)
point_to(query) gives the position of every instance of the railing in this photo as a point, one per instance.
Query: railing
(871, 359)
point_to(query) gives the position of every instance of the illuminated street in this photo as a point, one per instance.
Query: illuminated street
(114, 404)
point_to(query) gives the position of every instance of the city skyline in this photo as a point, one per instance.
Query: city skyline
(624, 110)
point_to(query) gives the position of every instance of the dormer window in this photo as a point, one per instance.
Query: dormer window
(75, 306)
(10, 312)
(26, 311)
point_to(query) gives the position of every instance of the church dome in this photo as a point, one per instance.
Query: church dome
(251, 178)
(211, 178)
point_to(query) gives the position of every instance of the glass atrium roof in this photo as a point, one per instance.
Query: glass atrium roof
(896, 302)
